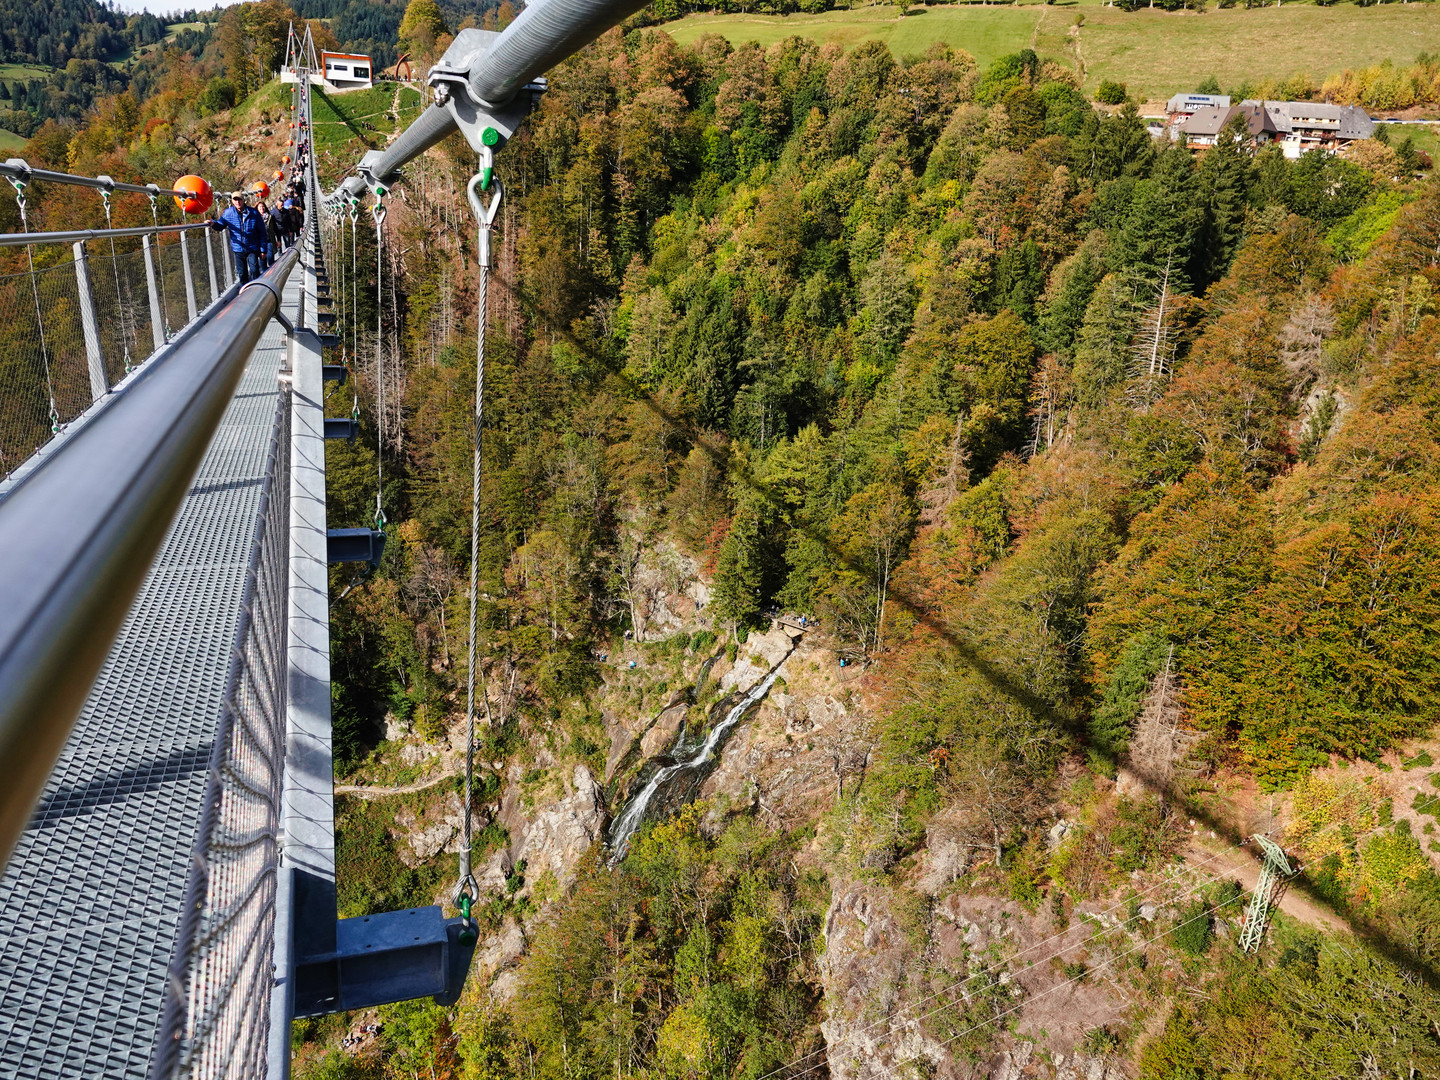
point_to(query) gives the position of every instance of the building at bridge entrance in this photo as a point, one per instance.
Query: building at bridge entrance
(337, 72)
(345, 71)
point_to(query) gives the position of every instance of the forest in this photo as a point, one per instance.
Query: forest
(1111, 468)
(1056, 429)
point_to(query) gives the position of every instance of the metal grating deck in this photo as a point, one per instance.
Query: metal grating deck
(89, 905)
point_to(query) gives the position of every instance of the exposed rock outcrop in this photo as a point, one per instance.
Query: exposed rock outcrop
(559, 835)
(495, 956)
(427, 835)
(863, 970)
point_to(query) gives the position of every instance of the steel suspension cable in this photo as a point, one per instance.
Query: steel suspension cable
(354, 283)
(19, 186)
(119, 300)
(467, 890)
(160, 261)
(378, 212)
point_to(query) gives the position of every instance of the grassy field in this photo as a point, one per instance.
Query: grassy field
(1156, 53)
(172, 30)
(362, 114)
(984, 32)
(17, 72)
(1426, 136)
(10, 143)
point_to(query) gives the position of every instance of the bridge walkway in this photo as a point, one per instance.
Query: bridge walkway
(90, 902)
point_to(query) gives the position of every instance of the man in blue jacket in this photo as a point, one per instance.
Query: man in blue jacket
(247, 236)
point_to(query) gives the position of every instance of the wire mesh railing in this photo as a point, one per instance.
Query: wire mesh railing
(44, 381)
(73, 327)
(172, 284)
(216, 1020)
(122, 307)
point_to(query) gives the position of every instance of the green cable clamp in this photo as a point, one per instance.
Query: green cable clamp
(491, 138)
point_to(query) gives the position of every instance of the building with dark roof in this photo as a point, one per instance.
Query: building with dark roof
(1302, 126)
(1296, 126)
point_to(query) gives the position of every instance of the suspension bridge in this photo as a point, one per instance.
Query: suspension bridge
(168, 901)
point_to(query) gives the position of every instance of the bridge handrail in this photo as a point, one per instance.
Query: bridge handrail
(81, 530)
(20, 169)
(81, 235)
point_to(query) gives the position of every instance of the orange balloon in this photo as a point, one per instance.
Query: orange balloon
(198, 195)
(278, 176)
(261, 189)
(285, 159)
(289, 142)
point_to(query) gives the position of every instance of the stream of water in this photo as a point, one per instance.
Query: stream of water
(633, 815)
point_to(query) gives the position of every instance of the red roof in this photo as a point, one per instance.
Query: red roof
(343, 56)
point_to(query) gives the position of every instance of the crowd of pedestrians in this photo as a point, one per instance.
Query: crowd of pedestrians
(258, 233)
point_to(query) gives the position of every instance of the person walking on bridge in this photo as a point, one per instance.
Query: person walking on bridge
(247, 236)
(274, 241)
(293, 222)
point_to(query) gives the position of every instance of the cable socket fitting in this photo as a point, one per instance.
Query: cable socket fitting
(455, 78)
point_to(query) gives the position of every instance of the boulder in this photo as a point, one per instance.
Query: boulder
(699, 593)
(428, 835)
(661, 735)
(492, 876)
(773, 647)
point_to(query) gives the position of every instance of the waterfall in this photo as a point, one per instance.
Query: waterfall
(633, 815)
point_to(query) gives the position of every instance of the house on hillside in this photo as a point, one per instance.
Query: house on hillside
(1259, 122)
(1182, 105)
(1296, 126)
(1302, 126)
(1202, 127)
(345, 71)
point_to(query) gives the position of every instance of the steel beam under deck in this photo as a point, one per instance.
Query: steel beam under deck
(90, 901)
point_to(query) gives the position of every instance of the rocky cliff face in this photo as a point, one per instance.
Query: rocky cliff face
(907, 969)
(867, 967)
(550, 840)
(907, 991)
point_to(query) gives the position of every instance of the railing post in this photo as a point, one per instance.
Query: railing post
(210, 264)
(189, 279)
(157, 320)
(228, 260)
(94, 358)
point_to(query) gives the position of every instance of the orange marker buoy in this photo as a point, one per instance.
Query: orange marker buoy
(285, 159)
(261, 189)
(198, 195)
(279, 176)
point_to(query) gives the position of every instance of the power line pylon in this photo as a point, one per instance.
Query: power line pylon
(1273, 868)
